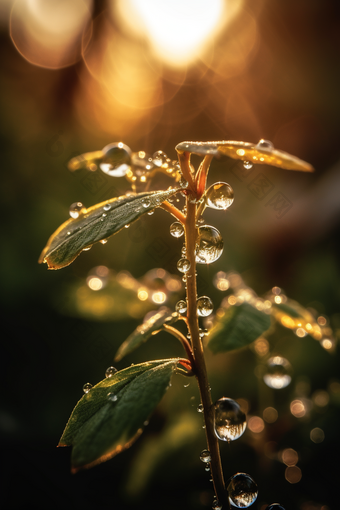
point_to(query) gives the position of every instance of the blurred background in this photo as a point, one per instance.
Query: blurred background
(79, 74)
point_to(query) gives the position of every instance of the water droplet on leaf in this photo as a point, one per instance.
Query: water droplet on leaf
(112, 397)
(204, 306)
(183, 265)
(247, 165)
(242, 490)
(229, 419)
(146, 203)
(107, 207)
(76, 209)
(205, 456)
(110, 372)
(181, 306)
(278, 373)
(176, 229)
(116, 160)
(87, 386)
(264, 145)
(219, 196)
(209, 245)
(200, 408)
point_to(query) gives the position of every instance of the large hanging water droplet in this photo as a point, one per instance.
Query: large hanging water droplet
(247, 165)
(176, 229)
(116, 160)
(181, 306)
(274, 506)
(204, 306)
(76, 209)
(264, 145)
(87, 386)
(242, 490)
(110, 372)
(229, 419)
(183, 265)
(219, 196)
(278, 373)
(159, 158)
(209, 245)
(205, 456)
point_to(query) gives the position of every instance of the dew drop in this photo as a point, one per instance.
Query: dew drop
(146, 203)
(183, 183)
(87, 248)
(112, 397)
(116, 160)
(205, 456)
(219, 196)
(181, 306)
(76, 209)
(159, 158)
(107, 207)
(110, 372)
(247, 165)
(103, 241)
(274, 506)
(204, 306)
(216, 505)
(242, 490)
(229, 419)
(207, 468)
(87, 386)
(264, 145)
(209, 245)
(150, 213)
(200, 408)
(278, 373)
(183, 265)
(176, 229)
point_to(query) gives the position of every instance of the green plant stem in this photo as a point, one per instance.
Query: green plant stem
(199, 367)
(182, 339)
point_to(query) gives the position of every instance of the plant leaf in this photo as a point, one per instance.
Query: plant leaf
(100, 428)
(239, 326)
(143, 332)
(97, 223)
(246, 151)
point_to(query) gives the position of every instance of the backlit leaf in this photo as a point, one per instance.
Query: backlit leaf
(97, 223)
(111, 415)
(238, 327)
(143, 332)
(245, 151)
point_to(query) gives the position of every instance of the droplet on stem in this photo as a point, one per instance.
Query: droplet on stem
(242, 490)
(183, 265)
(229, 420)
(219, 196)
(181, 306)
(176, 229)
(205, 456)
(87, 386)
(278, 373)
(209, 245)
(76, 209)
(204, 306)
(116, 160)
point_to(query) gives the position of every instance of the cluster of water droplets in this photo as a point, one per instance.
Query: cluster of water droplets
(229, 420)
(278, 373)
(242, 490)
